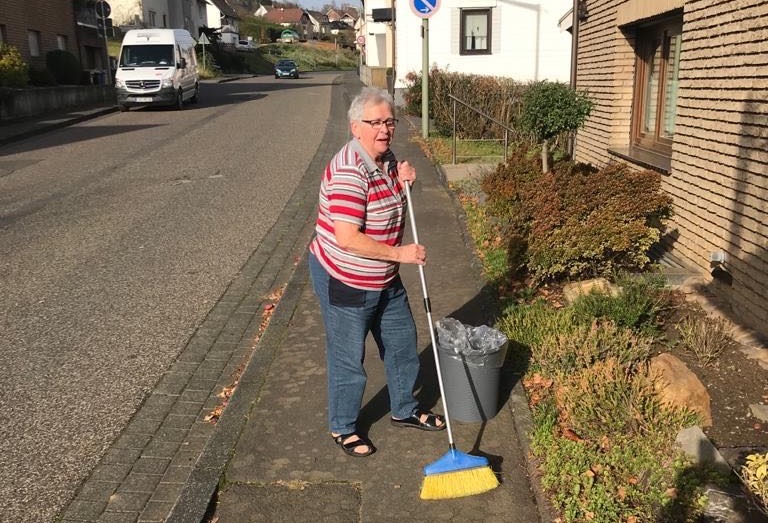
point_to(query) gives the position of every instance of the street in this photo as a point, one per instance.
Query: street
(117, 237)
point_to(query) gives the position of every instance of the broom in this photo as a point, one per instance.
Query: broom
(456, 474)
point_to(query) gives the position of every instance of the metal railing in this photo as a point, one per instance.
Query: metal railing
(507, 130)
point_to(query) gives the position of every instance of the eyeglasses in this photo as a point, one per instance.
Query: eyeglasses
(376, 124)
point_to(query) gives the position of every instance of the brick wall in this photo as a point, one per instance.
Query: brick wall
(50, 17)
(719, 170)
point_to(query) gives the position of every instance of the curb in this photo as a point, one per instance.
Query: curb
(41, 128)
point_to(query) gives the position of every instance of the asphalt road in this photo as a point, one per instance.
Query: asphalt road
(117, 236)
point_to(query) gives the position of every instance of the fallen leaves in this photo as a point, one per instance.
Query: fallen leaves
(537, 387)
(225, 395)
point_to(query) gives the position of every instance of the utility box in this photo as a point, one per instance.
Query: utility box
(382, 15)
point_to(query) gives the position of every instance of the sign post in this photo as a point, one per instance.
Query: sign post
(103, 10)
(425, 9)
(203, 40)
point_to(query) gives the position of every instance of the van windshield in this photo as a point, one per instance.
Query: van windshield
(146, 55)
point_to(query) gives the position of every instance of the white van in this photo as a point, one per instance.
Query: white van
(157, 67)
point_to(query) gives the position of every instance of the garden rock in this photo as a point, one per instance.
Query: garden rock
(572, 291)
(677, 385)
(759, 411)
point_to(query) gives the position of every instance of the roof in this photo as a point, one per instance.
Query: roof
(284, 16)
(224, 7)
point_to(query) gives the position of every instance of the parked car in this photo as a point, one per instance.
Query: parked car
(286, 69)
(288, 36)
(244, 45)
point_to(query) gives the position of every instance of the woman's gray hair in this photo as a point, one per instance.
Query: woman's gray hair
(368, 96)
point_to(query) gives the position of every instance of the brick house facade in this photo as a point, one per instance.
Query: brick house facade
(38, 26)
(679, 86)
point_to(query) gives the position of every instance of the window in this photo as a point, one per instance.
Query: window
(657, 71)
(165, 20)
(475, 31)
(3, 37)
(34, 43)
(61, 42)
(151, 19)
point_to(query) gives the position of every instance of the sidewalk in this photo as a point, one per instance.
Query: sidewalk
(21, 129)
(270, 455)
(284, 465)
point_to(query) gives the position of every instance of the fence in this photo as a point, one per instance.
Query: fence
(507, 130)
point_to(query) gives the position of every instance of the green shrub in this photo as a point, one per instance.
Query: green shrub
(637, 306)
(610, 398)
(563, 352)
(528, 327)
(576, 221)
(497, 97)
(14, 72)
(705, 337)
(64, 66)
(552, 108)
(41, 77)
(585, 224)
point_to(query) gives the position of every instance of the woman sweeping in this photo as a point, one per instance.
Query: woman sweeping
(354, 262)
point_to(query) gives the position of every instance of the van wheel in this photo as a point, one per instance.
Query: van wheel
(179, 100)
(197, 93)
(123, 108)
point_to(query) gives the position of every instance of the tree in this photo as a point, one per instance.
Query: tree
(550, 108)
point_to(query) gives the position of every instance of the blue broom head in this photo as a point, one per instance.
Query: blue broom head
(454, 460)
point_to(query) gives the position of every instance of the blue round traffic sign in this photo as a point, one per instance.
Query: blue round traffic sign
(424, 8)
(102, 9)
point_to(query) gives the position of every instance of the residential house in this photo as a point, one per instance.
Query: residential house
(679, 87)
(176, 14)
(222, 16)
(346, 14)
(319, 24)
(35, 27)
(292, 17)
(510, 38)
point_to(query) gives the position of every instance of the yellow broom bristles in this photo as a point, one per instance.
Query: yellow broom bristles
(458, 484)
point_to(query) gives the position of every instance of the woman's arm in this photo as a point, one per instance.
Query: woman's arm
(350, 238)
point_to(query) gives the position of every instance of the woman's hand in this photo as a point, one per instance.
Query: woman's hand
(406, 173)
(412, 253)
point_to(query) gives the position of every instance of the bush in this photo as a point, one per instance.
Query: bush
(705, 337)
(552, 108)
(586, 224)
(497, 97)
(14, 72)
(636, 307)
(575, 221)
(754, 475)
(611, 399)
(64, 66)
(528, 326)
(41, 77)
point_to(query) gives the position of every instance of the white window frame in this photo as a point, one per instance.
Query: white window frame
(464, 45)
(33, 38)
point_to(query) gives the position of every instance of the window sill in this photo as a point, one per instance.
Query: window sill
(643, 157)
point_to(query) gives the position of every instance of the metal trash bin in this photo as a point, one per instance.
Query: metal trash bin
(471, 374)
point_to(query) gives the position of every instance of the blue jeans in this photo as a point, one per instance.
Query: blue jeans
(349, 315)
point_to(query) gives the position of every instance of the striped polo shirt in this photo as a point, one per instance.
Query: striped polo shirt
(355, 190)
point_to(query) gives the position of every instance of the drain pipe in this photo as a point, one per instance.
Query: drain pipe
(574, 42)
(574, 57)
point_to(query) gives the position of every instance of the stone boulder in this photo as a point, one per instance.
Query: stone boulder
(677, 385)
(573, 290)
